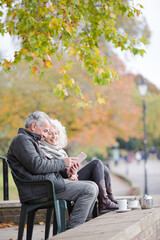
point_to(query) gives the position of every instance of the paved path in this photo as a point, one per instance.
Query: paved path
(135, 173)
(119, 186)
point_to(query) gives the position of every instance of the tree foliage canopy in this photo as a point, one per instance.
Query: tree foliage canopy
(49, 30)
(97, 126)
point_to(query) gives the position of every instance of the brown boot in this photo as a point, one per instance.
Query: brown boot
(104, 203)
(110, 195)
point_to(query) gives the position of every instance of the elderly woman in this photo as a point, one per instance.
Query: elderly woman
(96, 171)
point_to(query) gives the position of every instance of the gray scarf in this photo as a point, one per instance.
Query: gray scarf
(52, 151)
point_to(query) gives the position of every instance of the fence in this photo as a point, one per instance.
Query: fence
(5, 180)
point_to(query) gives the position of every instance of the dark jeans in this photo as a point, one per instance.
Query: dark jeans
(95, 171)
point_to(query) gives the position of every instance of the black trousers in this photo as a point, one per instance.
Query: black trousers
(95, 171)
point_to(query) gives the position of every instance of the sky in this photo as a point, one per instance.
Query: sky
(148, 65)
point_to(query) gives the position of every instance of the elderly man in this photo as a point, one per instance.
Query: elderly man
(29, 162)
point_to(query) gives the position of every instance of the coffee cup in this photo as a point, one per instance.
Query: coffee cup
(122, 204)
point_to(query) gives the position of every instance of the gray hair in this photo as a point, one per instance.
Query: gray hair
(62, 140)
(37, 117)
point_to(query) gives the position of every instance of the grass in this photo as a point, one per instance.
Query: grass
(13, 193)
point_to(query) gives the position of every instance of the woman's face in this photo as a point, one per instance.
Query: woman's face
(52, 136)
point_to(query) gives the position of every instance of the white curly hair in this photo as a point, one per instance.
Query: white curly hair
(62, 140)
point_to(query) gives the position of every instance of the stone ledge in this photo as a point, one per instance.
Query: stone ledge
(10, 204)
(134, 225)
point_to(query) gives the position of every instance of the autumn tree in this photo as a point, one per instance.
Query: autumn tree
(49, 30)
(90, 129)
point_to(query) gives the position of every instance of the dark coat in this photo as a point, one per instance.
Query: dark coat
(29, 162)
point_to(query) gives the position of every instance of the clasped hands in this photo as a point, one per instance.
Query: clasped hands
(72, 167)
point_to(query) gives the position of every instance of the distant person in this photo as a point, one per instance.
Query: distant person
(95, 171)
(30, 163)
(138, 156)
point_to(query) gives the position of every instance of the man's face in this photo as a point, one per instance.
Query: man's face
(42, 130)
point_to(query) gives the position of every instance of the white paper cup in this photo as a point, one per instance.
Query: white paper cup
(122, 204)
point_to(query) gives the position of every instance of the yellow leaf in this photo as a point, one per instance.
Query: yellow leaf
(47, 64)
(71, 52)
(31, 33)
(24, 51)
(69, 29)
(54, 20)
(101, 100)
(6, 64)
(96, 51)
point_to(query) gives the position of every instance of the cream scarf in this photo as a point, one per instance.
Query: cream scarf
(52, 151)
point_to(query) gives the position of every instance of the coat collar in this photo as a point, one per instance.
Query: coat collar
(35, 136)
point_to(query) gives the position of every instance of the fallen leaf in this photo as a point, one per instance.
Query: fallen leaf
(11, 224)
(41, 223)
(5, 225)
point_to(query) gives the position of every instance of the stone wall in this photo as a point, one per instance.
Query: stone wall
(10, 211)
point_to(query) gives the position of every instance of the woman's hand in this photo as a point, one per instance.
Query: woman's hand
(74, 178)
(69, 161)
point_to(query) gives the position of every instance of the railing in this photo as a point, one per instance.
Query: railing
(5, 179)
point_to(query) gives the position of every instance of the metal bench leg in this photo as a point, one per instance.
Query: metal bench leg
(22, 221)
(30, 224)
(48, 222)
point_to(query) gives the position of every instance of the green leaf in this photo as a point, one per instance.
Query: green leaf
(142, 52)
(135, 51)
(80, 105)
(28, 58)
(144, 40)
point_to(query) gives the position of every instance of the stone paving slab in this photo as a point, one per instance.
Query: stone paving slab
(12, 233)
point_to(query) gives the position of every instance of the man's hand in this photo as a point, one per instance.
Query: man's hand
(69, 161)
(73, 169)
